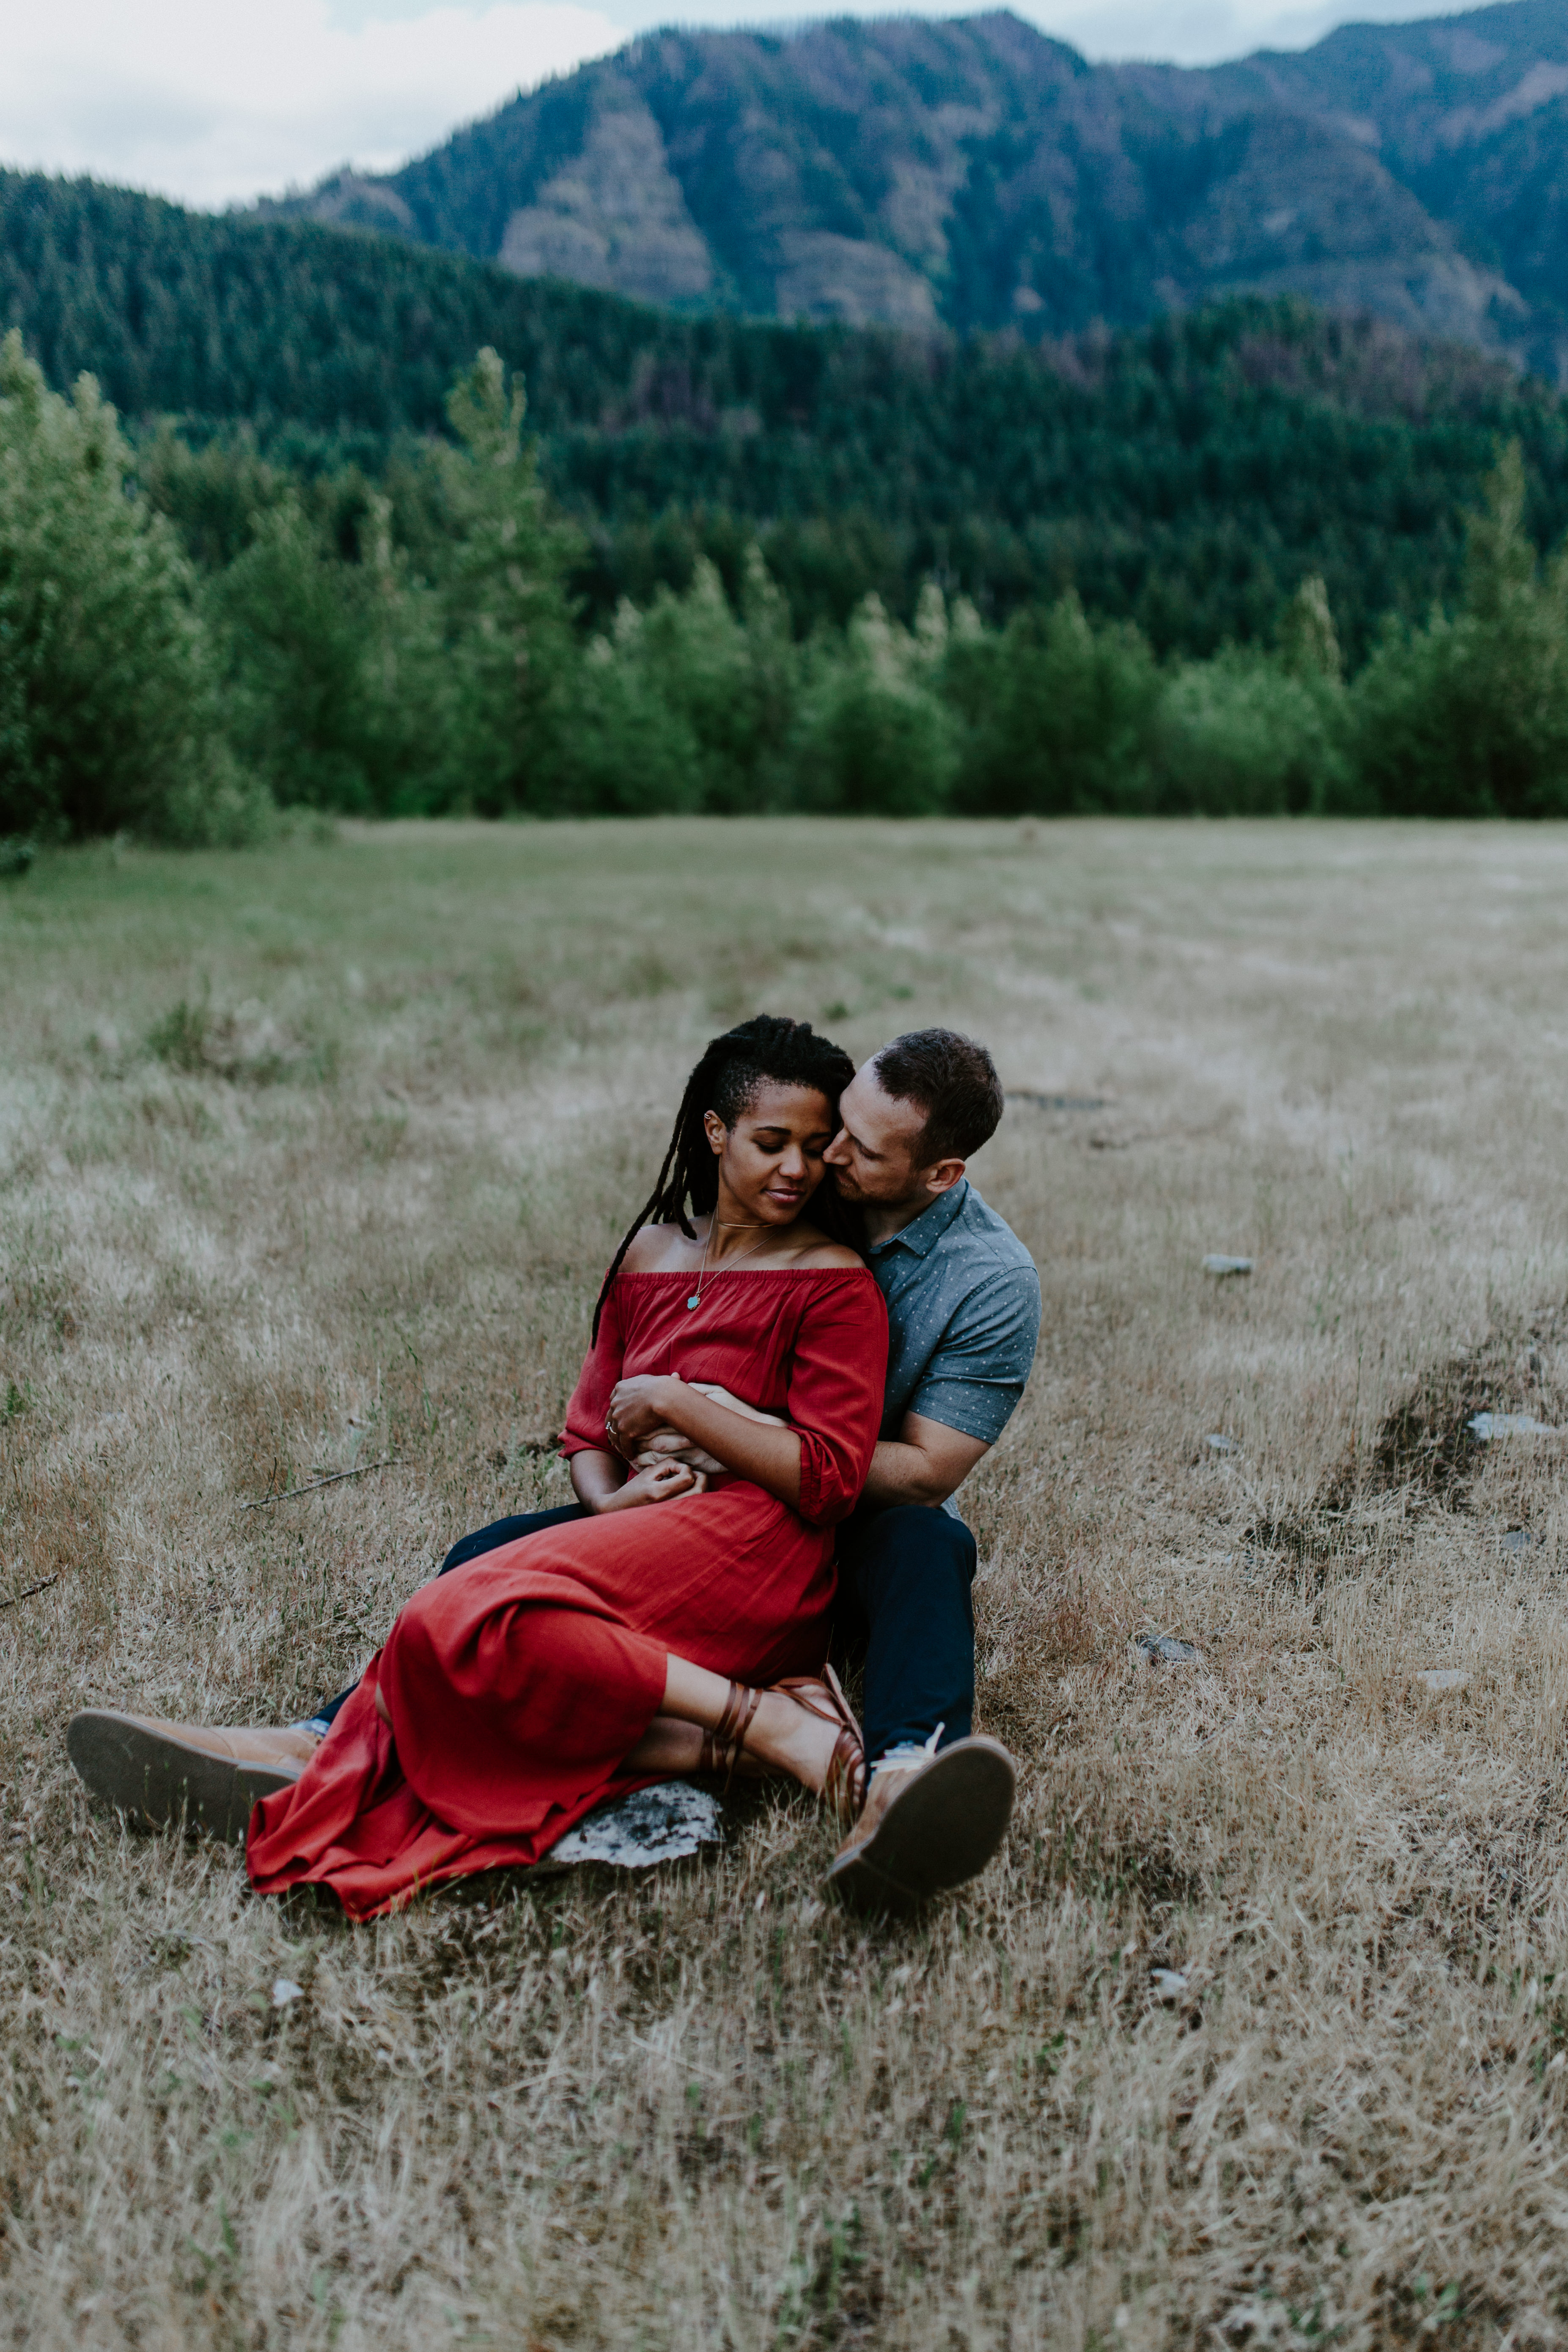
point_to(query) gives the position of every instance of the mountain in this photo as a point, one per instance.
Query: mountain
(975, 174)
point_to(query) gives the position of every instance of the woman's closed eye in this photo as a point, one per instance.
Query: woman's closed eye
(779, 1139)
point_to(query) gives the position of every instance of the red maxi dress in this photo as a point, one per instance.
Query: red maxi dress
(518, 1684)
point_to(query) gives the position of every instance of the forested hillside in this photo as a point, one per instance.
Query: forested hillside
(1187, 476)
(977, 173)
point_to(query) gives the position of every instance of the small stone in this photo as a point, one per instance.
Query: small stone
(1218, 1263)
(284, 1990)
(1520, 1539)
(1218, 1444)
(1163, 1650)
(1168, 1984)
(1485, 1426)
(1444, 1678)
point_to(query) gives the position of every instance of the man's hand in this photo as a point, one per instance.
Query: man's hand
(669, 1445)
(749, 1444)
(924, 1463)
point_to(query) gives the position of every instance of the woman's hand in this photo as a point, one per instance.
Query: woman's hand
(665, 1483)
(641, 1407)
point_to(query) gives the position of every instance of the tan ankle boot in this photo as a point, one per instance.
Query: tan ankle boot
(926, 1825)
(156, 1771)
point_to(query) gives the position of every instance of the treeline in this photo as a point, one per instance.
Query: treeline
(191, 639)
(1186, 477)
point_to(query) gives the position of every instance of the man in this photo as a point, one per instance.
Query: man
(963, 1310)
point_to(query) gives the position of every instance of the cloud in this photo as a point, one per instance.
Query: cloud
(1204, 32)
(215, 101)
(1178, 32)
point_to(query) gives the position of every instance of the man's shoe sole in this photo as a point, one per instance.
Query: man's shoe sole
(156, 1780)
(940, 1832)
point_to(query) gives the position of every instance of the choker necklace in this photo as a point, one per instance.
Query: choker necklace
(696, 1298)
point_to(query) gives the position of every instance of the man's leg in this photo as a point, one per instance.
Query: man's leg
(939, 1800)
(156, 1771)
(906, 1575)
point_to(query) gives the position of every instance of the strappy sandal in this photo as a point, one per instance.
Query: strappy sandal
(724, 1747)
(844, 1788)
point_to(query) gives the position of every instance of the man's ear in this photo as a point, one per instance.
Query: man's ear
(941, 1175)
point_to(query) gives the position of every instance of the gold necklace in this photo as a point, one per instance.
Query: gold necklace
(696, 1298)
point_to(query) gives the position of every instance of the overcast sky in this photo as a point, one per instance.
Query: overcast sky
(215, 101)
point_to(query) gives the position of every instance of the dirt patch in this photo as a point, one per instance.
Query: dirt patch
(1425, 1449)
(1426, 1445)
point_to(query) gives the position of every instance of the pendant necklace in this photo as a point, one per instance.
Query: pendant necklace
(696, 1298)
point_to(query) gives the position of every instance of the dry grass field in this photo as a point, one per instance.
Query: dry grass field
(312, 1157)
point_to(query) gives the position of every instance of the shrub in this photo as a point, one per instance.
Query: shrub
(876, 736)
(1060, 716)
(1239, 735)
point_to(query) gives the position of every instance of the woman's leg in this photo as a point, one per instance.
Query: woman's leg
(781, 1734)
(668, 1747)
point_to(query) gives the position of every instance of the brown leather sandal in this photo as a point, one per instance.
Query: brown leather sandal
(844, 1788)
(723, 1747)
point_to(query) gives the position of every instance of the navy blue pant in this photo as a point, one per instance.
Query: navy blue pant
(904, 1605)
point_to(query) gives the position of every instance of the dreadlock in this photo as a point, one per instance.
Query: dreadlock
(725, 1081)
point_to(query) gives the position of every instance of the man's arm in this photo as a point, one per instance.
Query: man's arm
(925, 1463)
(969, 1390)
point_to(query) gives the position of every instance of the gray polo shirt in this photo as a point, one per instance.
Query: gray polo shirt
(963, 1315)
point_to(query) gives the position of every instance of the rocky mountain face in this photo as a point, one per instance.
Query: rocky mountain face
(976, 174)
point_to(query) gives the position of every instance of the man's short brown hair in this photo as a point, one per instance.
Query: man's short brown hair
(952, 1079)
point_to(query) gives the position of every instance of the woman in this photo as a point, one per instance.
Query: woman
(587, 1659)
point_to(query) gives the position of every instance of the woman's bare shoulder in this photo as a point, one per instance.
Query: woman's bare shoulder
(652, 1247)
(826, 1253)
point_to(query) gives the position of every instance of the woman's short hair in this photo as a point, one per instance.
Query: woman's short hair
(954, 1080)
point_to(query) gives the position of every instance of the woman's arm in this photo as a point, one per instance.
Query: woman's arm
(598, 1475)
(766, 1453)
(601, 1484)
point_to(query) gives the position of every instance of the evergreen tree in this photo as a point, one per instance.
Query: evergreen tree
(1468, 717)
(108, 714)
(877, 737)
(512, 652)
